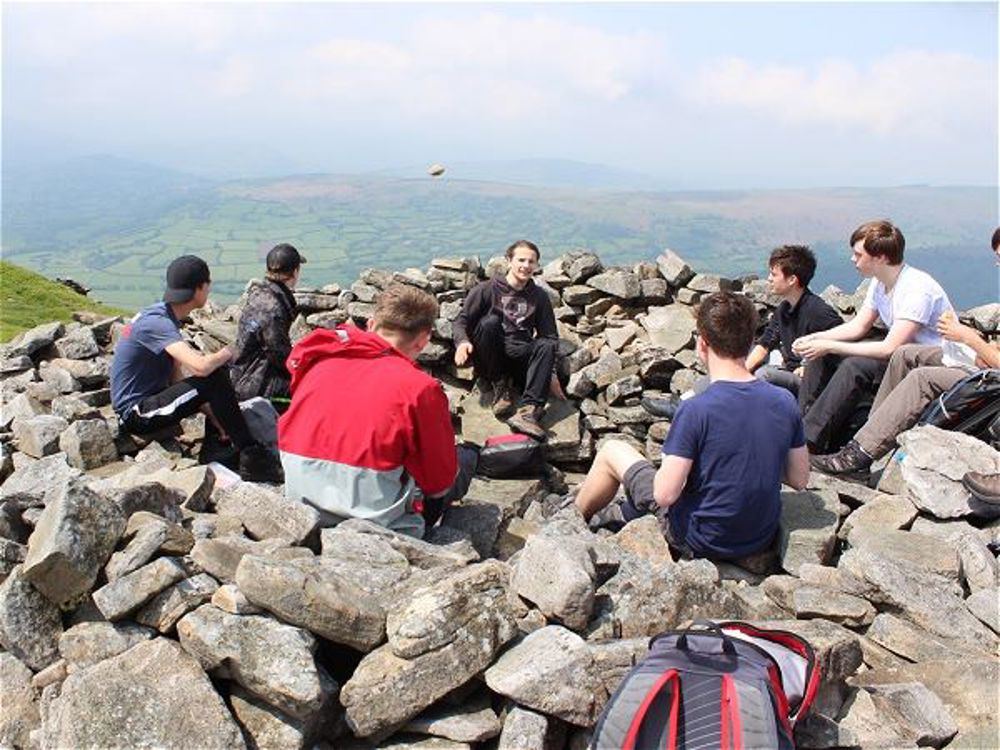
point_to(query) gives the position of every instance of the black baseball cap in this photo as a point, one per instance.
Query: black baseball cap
(284, 258)
(184, 275)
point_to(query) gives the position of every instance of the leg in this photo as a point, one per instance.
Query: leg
(488, 348)
(605, 476)
(829, 413)
(163, 409)
(780, 377)
(540, 358)
(434, 507)
(905, 359)
(815, 378)
(902, 407)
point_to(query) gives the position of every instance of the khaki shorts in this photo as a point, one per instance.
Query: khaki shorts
(639, 501)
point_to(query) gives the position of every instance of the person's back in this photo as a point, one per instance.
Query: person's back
(368, 434)
(738, 434)
(140, 364)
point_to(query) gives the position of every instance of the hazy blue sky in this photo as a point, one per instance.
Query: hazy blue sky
(701, 95)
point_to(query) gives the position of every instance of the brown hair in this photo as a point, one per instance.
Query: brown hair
(523, 243)
(727, 322)
(794, 260)
(881, 239)
(995, 243)
(406, 310)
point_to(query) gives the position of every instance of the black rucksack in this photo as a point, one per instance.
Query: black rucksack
(732, 685)
(972, 405)
(511, 456)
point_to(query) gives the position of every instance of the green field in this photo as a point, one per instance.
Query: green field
(119, 239)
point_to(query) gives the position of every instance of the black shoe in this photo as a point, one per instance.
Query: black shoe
(661, 407)
(260, 464)
(851, 461)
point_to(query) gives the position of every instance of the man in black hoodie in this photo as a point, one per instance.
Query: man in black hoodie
(262, 341)
(508, 327)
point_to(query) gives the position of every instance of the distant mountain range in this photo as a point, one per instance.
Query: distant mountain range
(114, 224)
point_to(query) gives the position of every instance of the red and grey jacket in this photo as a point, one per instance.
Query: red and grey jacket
(366, 430)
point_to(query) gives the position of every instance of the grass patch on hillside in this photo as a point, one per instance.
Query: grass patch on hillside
(28, 299)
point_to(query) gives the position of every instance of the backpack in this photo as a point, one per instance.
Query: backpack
(511, 456)
(971, 406)
(729, 685)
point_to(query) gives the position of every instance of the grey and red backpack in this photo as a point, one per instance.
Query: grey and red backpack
(724, 685)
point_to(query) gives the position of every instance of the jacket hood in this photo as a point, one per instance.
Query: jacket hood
(342, 341)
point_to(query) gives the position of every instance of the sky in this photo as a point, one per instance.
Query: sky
(698, 95)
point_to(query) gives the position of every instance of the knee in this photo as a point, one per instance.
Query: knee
(490, 324)
(545, 347)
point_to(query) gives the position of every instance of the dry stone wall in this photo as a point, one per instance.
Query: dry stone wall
(144, 603)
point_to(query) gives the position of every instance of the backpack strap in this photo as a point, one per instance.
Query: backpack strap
(670, 675)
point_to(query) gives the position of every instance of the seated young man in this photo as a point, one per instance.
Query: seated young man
(790, 269)
(508, 327)
(728, 450)
(841, 368)
(149, 390)
(915, 377)
(262, 342)
(368, 434)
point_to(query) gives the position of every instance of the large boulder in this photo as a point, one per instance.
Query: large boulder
(30, 624)
(153, 695)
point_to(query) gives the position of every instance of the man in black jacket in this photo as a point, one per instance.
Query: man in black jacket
(508, 327)
(262, 342)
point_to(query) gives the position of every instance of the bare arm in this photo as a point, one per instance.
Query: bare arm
(756, 357)
(670, 479)
(902, 332)
(797, 468)
(195, 362)
(852, 330)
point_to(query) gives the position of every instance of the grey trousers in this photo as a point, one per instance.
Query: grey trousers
(915, 377)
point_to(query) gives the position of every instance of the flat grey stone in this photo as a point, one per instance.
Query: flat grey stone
(985, 604)
(123, 596)
(78, 344)
(266, 513)
(30, 624)
(153, 695)
(272, 660)
(39, 436)
(914, 643)
(221, 556)
(671, 327)
(673, 268)
(19, 713)
(33, 340)
(73, 539)
(884, 512)
(808, 529)
(557, 575)
(170, 605)
(88, 643)
(473, 724)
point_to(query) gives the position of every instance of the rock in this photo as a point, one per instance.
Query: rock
(582, 266)
(710, 282)
(72, 541)
(139, 551)
(88, 444)
(581, 295)
(73, 408)
(193, 485)
(39, 436)
(310, 594)
(37, 482)
(913, 643)
(267, 727)
(30, 624)
(985, 317)
(619, 283)
(549, 671)
(123, 596)
(985, 604)
(644, 537)
(22, 406)
(416, 551)
(78, 344)
(267, 514)
(890, 512)
(170, 605)
(557, 575)
(88, 643)
(473, 724)
(33, 340)
(623, 389)
(18, 703)
(674, 269)
(528, 730)
(444, 636)
(813, 601)
(979, 567)
(808, 529)
(479, 521)
(671, 327)
(912, 551)
(153, 695)
(271, 660)
(220, 557)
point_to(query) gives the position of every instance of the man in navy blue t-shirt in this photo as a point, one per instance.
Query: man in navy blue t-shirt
(725, 457)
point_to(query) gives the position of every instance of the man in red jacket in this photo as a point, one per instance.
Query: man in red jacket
(368, 434)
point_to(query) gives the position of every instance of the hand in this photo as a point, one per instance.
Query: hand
(555, 388)
(800, 371)
(811, 348)
(462, 352)
(801, 341)
(949, 327)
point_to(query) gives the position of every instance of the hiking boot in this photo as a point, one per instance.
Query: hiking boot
(526, 422)
(503, 399)
(610, 517)
(850, 461)
(259, 463)
(984, 487)
(665, 408)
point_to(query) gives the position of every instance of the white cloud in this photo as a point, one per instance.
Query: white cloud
(930, 95)
(491, 66)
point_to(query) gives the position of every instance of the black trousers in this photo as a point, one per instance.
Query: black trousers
(183, 399)
(468, 461)
(831, 390)
(529, 362)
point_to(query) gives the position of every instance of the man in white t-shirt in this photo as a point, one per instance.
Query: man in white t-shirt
(841, 368)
